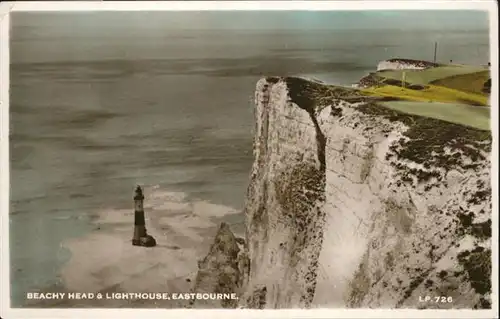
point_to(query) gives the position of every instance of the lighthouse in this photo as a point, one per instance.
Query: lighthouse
(141, 238)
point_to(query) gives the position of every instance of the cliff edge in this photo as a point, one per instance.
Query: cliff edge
(352, 204)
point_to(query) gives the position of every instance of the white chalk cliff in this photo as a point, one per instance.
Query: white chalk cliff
(351, 204)
(404, 64)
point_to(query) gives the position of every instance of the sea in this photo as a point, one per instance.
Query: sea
(95, 111)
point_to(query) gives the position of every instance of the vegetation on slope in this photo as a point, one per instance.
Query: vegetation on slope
(429, 93)
(470, 82)
(311, 95)
(428, 135)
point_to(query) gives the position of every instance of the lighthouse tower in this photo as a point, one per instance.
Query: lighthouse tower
(141, 238)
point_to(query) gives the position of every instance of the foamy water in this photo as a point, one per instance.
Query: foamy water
(105, 260)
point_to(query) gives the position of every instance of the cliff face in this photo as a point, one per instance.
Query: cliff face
(284, 216)
(354, 205)
(407, 64)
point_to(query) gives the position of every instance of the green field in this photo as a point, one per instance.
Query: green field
(469, 82)
(446, 83)
(432, 93)
(452, 93)
(473, 116)
(432, 74)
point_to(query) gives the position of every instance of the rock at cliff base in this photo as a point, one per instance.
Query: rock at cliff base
(218, 271)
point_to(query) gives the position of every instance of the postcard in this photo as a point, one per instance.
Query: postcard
(249, 159)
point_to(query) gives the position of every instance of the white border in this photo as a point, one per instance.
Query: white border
(6, 8)
(4, 159)
(252, 5)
